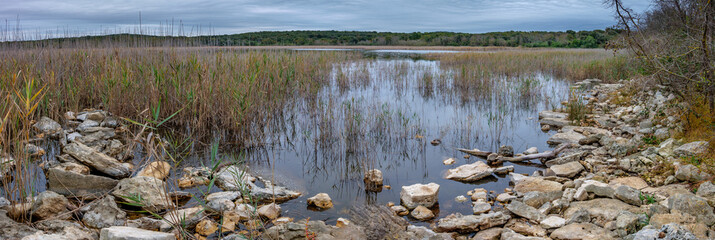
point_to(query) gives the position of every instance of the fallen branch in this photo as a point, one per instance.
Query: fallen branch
(499, 159)
(475, 152)
(543, 155)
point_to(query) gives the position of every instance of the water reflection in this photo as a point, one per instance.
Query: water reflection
(382, 113)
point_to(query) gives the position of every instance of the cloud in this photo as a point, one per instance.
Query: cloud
(226, 17)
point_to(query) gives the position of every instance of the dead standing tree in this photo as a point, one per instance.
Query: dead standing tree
(674, 43)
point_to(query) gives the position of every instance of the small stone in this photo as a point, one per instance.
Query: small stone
(488, 234)
(342, 222)
(507, 151)
(206, 227)
(321, 200)
(449, 161)
(131, 233)
(422, 213)
(551, 222)
(531, 150)
(47, 126)
(504, 169)
(151, 191)
(400, 210)
(103, 213)
(373, 180)
(628, 195)
(526, 211)
(479, 194)
(270, 211)
(460, 199)
(505, 197)
(158, 169)
(481, 207)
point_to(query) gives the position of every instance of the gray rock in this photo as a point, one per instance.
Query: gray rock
(297, 230)
(604, 209)
(488, 234)
(87, 124)
(9, 229)
(508, 234)
(130, 233)
(671, 231)
(598, 188)
(79, 185)
(47, 126)
(553, 222)
(566, 158)
(627, 222)
(222, 201)
(531, 150)
(504, 169)
(567, 135)
(420, 232)
(552, 114)
(456, 222)
(536, 199)
(661, 133)
(110, 122)
(568, 170)
(555, 122)
(507, 151)
(270, 211)
(691, 149)
(151, 191)
(579, 216)
(581, 231)
(103, 213)
(146, 223)
(97, 160)
(693, 205)
(61, 230)
(233, 178)
(419, 194)
(689, 173)
(520, 209)
(628, 195)
(481, 207)
(470, 172)
(49, 204)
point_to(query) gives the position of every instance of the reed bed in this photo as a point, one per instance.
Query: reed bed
(202, 90)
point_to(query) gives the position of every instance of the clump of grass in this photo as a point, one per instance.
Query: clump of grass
(576, 108)
(21, 94)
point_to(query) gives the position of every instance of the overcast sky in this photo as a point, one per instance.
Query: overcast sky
(226, 17)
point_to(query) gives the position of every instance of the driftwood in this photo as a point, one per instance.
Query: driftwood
(543, 155)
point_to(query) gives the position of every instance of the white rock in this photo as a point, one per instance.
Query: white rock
(130, 233)
(419, 195)
(553, 222)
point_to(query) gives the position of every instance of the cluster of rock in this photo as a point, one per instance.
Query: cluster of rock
(595, 189)
(91, 177)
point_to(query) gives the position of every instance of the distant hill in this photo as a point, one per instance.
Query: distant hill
(567, 39)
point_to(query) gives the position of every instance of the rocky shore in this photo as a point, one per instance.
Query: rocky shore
(618, 174)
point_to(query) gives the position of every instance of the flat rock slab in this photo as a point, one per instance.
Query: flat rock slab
(581, 231)
(604, 208)
(634, 182)
(567, 135)
(97, 160)
(568, 170)
(470, 172)
(552, 114)
(456, 222)
(75, 184)
(529, 184)
(131, 233)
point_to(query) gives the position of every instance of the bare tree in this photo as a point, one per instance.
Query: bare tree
(674, 41)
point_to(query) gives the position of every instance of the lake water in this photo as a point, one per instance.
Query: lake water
(382, 113)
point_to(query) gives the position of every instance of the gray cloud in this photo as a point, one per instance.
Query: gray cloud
(226, 16)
